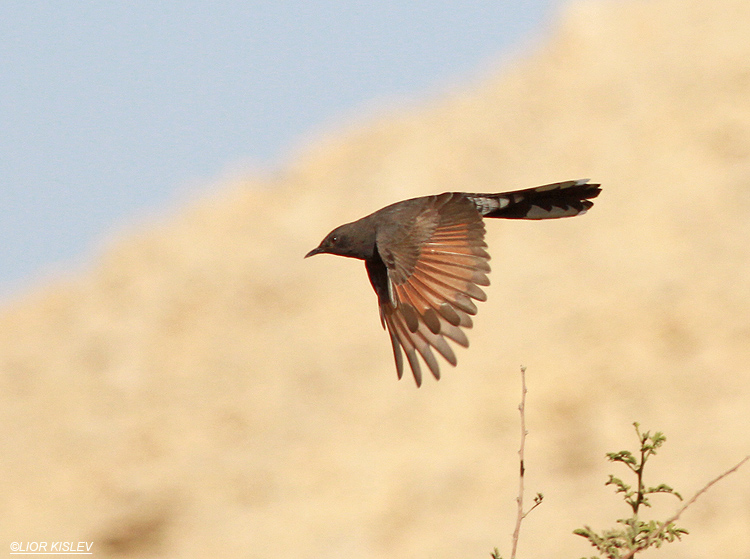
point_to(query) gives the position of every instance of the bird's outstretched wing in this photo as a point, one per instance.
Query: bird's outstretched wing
(435, 265)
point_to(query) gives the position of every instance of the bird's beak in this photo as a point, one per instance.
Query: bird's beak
(313, 252)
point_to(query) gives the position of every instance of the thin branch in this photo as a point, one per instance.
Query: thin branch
(682, 509)
(520, 515)
(704, 489)
(639, 473)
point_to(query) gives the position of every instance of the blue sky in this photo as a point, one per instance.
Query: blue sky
(111, 111)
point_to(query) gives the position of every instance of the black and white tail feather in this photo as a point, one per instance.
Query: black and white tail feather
(550, 201)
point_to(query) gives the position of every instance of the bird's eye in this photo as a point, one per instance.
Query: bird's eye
(335, 239)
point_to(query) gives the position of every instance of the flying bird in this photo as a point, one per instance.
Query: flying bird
(426, 260)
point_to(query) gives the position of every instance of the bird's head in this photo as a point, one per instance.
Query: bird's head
(349, 240)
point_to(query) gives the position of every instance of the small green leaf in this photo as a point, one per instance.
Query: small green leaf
(635, 534)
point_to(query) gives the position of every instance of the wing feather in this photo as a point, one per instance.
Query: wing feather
(435, 268)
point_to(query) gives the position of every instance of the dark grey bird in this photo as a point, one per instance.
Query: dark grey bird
(426, 260)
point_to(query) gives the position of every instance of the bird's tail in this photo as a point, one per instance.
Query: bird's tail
(550, 201)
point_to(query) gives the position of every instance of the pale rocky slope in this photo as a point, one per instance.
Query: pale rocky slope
(204, 391)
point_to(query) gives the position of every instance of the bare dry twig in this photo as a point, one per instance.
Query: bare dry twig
(538, 500)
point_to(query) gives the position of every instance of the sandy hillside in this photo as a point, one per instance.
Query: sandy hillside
(206, 392)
